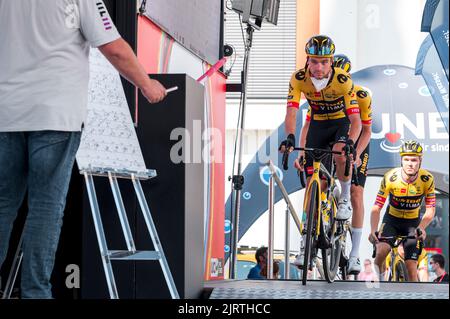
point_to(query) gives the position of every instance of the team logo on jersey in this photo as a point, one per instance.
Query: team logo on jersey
(300, 75)
(425, 178)
(393, 178)
(362, 94)
(342, 78)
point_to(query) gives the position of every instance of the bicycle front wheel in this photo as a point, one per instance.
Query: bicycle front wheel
(399, 271)
(311, 219)
(331, 256)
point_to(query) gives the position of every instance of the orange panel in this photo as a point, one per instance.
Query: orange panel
(149, 44)
(308, 24)
(216, 238)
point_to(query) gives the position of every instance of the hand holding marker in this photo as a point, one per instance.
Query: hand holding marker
(172, 89)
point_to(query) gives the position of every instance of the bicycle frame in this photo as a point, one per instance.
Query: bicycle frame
(316, 213)
(317, 168)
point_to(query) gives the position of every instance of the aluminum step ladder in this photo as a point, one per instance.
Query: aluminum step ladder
(132, 253)
(109, 255)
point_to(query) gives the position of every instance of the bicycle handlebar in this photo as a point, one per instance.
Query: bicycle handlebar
(285, 163)
(399, 240)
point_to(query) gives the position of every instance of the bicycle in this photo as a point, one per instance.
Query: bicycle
(323, 232)
(397, 270)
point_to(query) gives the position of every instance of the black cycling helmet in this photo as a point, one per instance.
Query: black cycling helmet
(320, 46)
(411, 148)
(342, 61)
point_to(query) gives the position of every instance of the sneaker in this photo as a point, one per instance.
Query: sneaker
(345, 209)
(353, 266)
(300, 258)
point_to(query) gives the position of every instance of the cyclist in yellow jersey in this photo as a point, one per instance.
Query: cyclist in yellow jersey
(334, 111)
(407, 186)
(362, 159)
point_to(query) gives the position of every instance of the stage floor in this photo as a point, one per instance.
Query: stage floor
(290, 289)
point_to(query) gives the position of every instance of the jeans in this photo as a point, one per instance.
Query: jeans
(40, 162)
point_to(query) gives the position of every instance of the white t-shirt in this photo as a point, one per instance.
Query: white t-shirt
(44, 61)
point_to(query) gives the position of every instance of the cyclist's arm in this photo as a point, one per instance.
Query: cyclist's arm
(378, 206)
(293, 104)
(364, 139)
(375, 218)
(291, 120)
(365, 106)
(430, 202)
(427, 217)
(355, 127)
(352, 108)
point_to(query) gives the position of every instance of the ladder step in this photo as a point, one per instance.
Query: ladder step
(138, 255)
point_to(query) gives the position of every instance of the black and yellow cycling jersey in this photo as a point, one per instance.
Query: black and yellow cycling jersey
(335, 102)
(365, 105)
(405, 199)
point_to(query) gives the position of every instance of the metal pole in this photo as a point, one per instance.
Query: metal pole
(101, 239)
(238, 179)
(155, 238)
(286, 244)
(126, 230)
(14, 269)
(271, 228)
(286, 197)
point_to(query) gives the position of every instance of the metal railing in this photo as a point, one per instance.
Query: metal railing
(290, 211)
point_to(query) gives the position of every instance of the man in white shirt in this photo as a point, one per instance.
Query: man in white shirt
(44, 74)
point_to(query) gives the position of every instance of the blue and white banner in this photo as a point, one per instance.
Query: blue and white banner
(435, 21)
(428, 65)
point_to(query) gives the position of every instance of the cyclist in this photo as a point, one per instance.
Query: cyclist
(406, 186)
(362, 159)
(333, 113)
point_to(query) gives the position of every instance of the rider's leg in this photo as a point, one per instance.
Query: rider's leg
(412, 252)
(345, 208)
(411, 267)
(383, 249)
(357, 199)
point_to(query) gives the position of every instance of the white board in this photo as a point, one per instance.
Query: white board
(109, 139)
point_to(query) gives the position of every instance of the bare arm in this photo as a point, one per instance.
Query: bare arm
(122, 57)
(304, 133)
(374, 221)
(375, 218)
(427, 217)
(355, 126)
(364, 139)
(290, 120)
